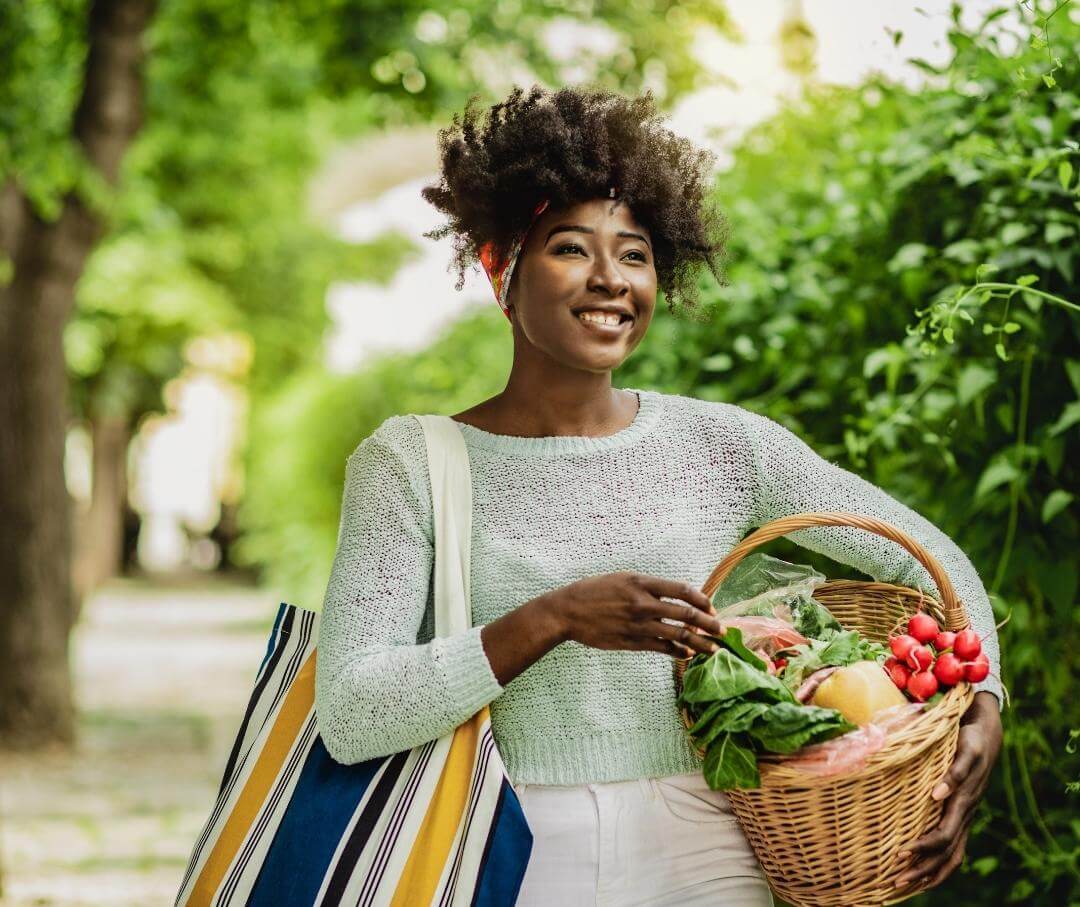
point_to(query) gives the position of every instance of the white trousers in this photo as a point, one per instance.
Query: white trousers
(648, 841)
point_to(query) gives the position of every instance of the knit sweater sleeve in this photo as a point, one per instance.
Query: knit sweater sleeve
(377, 691)
(792, 478)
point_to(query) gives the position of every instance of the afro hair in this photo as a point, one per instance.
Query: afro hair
(570, 146)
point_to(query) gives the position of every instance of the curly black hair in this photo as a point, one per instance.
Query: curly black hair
(570, 146)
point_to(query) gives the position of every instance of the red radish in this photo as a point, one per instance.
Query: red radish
(920, 658)
(902, 645)
(976, 670)
(897, 672)
(944, 640)
(967, 646)
(948, 669)
(922, 686)
(923, 627)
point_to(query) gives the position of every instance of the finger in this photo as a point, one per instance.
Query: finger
(688, 614)
(968, 751)
(955, 859)
(935, 867)
(683, 635)
(670, 588)
(944, 834)
(667, 646)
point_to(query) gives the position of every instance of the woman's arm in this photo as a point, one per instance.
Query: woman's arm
(791, 478)
(377, 691)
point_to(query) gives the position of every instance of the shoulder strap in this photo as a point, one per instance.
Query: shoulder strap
(451, 499)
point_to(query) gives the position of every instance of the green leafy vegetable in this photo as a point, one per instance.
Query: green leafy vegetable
(731, 763)
(836, 648)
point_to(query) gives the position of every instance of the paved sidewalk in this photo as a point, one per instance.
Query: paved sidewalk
(163, 672)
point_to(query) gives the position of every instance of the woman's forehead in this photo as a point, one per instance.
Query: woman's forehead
(595, 215)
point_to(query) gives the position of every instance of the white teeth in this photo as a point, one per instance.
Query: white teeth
(601, 317)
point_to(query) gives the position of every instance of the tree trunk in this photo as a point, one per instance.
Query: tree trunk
(99, 539)
(36, 600)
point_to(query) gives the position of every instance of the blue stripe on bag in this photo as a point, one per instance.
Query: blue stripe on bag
(506, 854)
(319, 812)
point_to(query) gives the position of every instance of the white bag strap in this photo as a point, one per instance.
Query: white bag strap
(451, 499)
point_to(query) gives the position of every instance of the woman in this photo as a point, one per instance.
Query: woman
(596, 513)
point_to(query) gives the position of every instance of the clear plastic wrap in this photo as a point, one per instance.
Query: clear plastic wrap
(760, 582)
(849, 752)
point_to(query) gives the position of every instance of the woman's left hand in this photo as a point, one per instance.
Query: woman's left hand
(941, 850)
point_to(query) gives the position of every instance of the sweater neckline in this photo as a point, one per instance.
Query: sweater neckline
(644, 420)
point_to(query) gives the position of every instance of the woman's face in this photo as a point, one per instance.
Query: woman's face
(591, 257)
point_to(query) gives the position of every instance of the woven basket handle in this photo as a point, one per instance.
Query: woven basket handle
(955, 616)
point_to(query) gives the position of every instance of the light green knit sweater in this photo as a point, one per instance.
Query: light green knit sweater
(668, 495)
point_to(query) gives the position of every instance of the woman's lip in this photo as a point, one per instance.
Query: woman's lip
(605, 330)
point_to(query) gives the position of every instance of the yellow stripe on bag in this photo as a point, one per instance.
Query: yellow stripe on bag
(275, 750)
(428, 857)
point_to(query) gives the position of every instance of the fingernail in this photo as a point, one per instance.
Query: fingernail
(940, 791)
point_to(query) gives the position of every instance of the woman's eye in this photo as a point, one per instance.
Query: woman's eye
(636, 252)
(569, 245)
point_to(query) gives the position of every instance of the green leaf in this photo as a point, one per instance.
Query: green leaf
(724, 676)
(1065, 171)
(1072, 369)
(1068, 418)
(728, 717)
(973, 380)
(732, 638)
(730, 763)
(997, 473)
(1010, 327)
(786, 727)
(1055, 502)
(1056, 231)
(908, 256)
(999, 348)
(1013, 233)
(1027, 280)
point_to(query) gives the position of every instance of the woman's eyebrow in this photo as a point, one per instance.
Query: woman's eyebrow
(578, 228)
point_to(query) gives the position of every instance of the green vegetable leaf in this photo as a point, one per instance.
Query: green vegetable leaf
(731, 763)
(837, 650)
(812, 619)
(724, 676)
(786, 727)
(732, 638)
(730, 716)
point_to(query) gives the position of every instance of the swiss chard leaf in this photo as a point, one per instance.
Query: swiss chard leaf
(724, 676)
(787, 727)
(730, 763)
(732, 716)
(732, 638)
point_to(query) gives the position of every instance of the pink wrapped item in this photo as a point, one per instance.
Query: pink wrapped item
(770, 634)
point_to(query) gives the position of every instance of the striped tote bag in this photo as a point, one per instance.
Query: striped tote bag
(439, 824)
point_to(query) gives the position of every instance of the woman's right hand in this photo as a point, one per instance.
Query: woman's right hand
(623, 610)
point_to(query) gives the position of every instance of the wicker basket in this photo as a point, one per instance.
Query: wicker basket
(835, 840)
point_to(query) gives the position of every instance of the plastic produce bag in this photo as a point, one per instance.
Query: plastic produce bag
(761, 576)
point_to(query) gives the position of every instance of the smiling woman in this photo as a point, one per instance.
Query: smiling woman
(597, 513)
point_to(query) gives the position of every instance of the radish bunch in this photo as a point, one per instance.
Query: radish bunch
(927, 659)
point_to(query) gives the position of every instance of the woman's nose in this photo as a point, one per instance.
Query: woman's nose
(606, 275)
